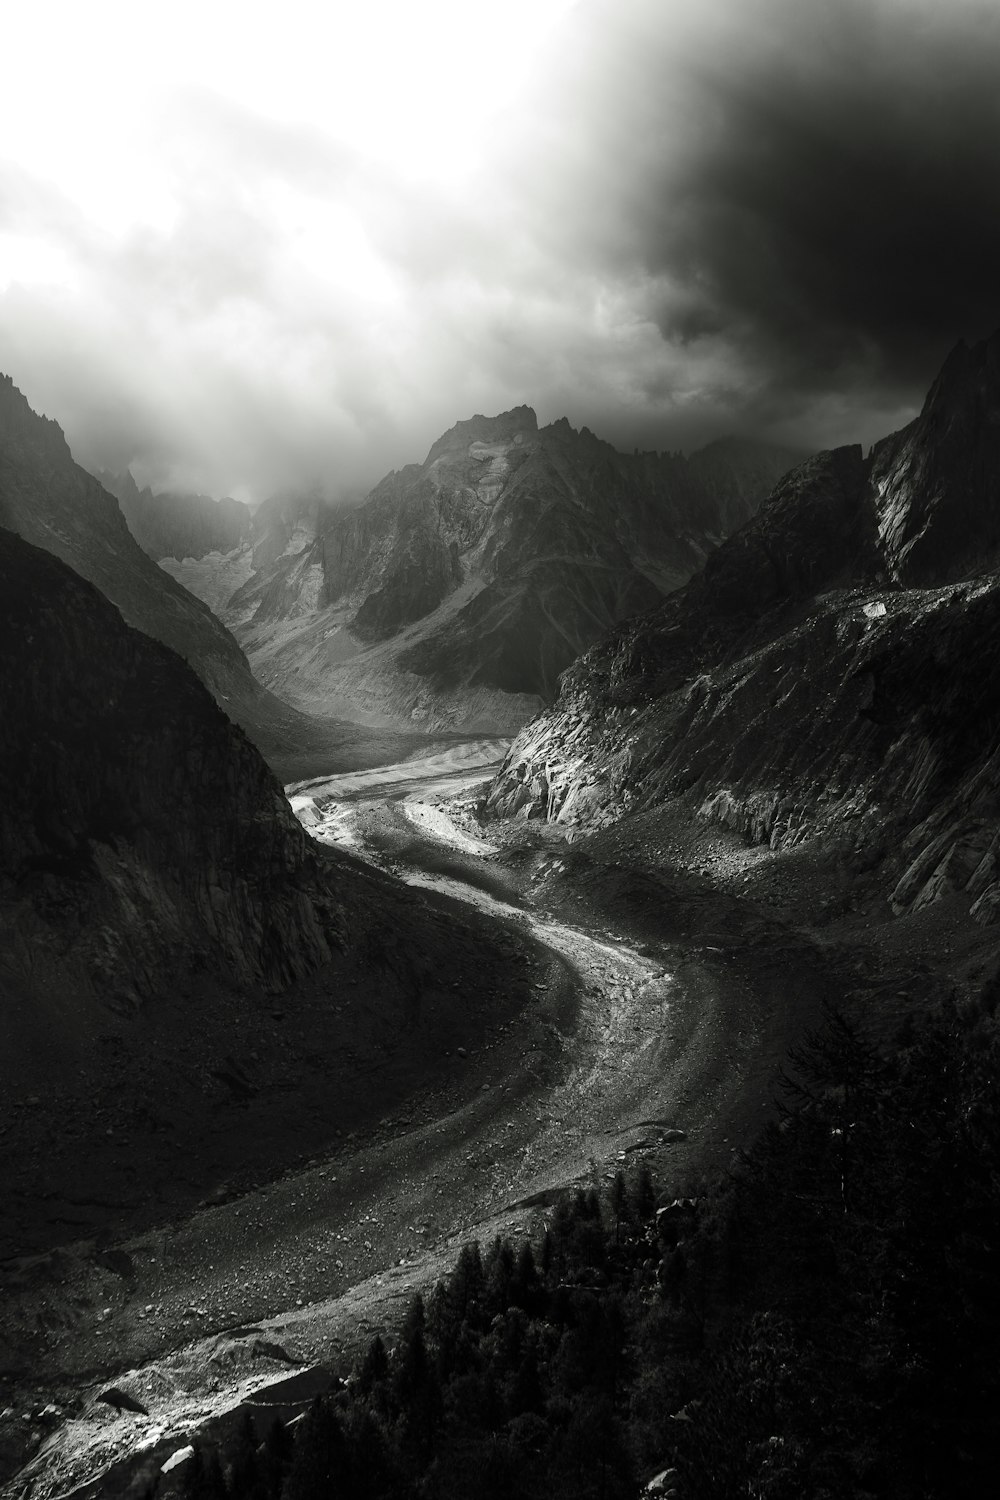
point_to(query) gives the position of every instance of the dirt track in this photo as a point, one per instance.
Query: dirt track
(622, 1051)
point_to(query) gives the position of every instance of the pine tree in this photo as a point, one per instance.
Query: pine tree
(244, 1467)
(619, 1204)
(319, 1460)
(416, 1385)
(275, 1459)
(372, 1471)
(203, 1478)
(215, 1480)
(374, 1367)
(499, 1270)
(467, 1285)
(644, 1196)
(525, 1288)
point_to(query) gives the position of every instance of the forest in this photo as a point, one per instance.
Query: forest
(822, 1321)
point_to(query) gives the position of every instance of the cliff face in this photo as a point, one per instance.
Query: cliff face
(177, 524)
(937, 483)
(794, 690)
(140, 831)
(463, 586)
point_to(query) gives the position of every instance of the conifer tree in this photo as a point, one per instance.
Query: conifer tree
(275, 1459)
(374, 1367)
(619, 1204)
(644, 1196)
(319, 1459)
(244, 1467)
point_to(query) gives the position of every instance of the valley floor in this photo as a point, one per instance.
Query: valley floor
(662, 971)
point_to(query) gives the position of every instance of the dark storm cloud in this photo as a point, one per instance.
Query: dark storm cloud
(764, 216)
(813, 187)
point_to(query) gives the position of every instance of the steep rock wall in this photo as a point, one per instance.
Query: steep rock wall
(794, 690)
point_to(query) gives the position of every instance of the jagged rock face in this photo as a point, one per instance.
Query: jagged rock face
(175, 524)
(792, 690)
(402, 552)
(462, 587)
(140, 831)
(565, 535)
(280, 579)
(937, 483)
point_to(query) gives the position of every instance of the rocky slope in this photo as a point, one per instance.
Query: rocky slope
(462, 587)
(829, 677)
(49, 500)
(177, 524)
(141, 832)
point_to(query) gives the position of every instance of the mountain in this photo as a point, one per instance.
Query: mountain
(157, 898)
(176, 524)
(831, 678)
(457, 592)
(149, 835)
(49, 500)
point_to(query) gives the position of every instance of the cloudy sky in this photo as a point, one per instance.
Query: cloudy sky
(245, 247)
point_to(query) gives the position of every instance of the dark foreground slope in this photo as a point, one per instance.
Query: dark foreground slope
(831, 676)
(141, 830)
(182, 970)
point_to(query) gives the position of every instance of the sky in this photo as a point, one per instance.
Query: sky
(247, 248)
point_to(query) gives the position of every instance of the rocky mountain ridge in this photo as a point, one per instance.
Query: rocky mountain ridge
(177, 524)
(52, 502)
(829, 676)
(456, 593)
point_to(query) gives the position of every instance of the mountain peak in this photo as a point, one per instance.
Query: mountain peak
(506, 427)
(933, 481)
(24, 428)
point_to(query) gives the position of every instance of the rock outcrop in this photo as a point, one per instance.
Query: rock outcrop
(462, 587)
(830, 674)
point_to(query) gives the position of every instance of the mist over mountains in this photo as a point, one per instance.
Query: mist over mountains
(178, 525)
(765, 217)
(460, 588)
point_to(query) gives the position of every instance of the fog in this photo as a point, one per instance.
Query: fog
(268, 249)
